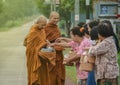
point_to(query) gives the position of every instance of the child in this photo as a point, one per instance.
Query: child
(94, 41)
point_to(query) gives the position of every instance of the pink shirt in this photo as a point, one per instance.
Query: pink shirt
(80, 49)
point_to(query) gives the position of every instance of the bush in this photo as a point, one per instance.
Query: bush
(13, 10)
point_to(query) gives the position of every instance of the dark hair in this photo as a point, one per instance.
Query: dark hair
(110, 26)
(86, 29)
(94, 33)
(93, 23)
(104, 30)
(112, 34)
(81, 24)
(77, 31)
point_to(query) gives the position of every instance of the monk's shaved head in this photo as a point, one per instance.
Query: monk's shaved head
(41, 19)
(54, 17)
(52, 14)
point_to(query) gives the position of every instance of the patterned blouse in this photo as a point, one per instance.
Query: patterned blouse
(80, 49)
(106, 65)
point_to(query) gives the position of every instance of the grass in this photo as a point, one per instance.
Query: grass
(71, 73)
(71, 70)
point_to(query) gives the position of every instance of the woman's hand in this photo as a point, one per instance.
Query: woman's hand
(66, 61)
(58, 40)
(52, 44)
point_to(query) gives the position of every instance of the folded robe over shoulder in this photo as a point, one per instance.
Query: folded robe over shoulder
(57, 74)
(36, 65)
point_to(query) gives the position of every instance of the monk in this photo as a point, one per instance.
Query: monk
(37, 65)
(56, 72)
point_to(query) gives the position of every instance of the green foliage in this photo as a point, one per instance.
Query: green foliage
(16, 9)
(11, 10)
(43, 7)
(62, 24)
(1, 5)
(12, 24)
(65, 9)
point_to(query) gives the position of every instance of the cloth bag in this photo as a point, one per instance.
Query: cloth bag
(86, 62)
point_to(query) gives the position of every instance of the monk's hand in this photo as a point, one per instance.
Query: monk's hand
(48, 42)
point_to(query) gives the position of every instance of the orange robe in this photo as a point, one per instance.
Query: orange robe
(36, 65)
(57, 73)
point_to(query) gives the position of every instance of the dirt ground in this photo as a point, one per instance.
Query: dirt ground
(12, 57)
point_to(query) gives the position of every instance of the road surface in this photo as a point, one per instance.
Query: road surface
(12, 57)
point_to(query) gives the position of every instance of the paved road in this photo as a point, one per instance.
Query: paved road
(12, 57)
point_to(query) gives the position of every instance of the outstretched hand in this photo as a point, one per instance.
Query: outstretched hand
(58, 40)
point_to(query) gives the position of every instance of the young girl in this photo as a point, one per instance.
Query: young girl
(94, 41)
(78, 43)
(94, 36)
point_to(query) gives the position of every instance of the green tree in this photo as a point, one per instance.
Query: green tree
(1, 5)
(43, 7)
(66, 8)
(16, 9)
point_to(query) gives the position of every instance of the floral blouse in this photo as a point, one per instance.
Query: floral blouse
(106, 65)
(80, 49)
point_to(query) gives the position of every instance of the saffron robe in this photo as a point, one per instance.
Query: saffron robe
(36, 65)
(56, 73)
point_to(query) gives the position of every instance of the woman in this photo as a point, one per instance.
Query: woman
(78, 43)
(113, 34)
(106, 66)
